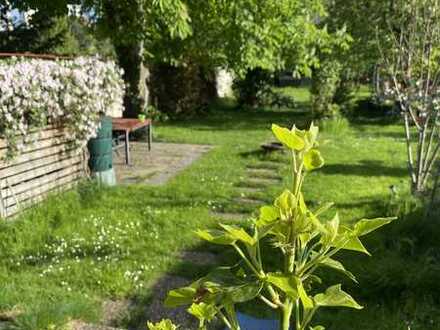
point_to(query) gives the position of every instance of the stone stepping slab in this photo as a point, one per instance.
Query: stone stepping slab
(263, 173)
(248, 200)
(257, 195)
(249, 190)
(264, 165)
(261, 182)
(230, 216)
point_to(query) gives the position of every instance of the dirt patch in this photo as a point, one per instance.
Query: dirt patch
(199, 258)
(79, 325)
(157, 166)
(156, 311)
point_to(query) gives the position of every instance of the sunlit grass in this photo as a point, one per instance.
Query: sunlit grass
(362, 161)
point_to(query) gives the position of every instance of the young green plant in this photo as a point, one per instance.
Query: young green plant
(306, 243)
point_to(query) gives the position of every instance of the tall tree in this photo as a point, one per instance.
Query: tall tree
(131, 25)
(411, 58)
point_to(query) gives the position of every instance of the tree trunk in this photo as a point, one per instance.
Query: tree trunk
(135, 76)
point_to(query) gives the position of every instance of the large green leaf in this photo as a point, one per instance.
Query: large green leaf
(162, 325)
(286, 202)
(323, 209)
(331, 229)
(239, 234)
(288, 137)
(181, 296)
(331, 263)
(216, 237)
(268, 214)
(287, 284)
(312, 135)
(366, 226)
(224, 285)
(244, 292)
(202, 311)
(305, 299)
(313, 160)
(317, 327)
(348, 241)
(335, 297)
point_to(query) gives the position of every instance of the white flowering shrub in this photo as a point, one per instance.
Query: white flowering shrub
(71, 93)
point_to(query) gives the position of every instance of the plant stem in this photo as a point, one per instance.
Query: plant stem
(286, 315)
(297, 315)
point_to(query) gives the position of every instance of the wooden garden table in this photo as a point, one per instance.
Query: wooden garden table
(128, 125)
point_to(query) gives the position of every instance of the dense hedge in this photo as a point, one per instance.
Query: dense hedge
(72, 93)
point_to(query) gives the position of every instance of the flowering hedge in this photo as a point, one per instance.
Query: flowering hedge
(71, 93)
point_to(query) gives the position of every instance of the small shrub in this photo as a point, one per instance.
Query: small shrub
(252, 90)
(324, 86)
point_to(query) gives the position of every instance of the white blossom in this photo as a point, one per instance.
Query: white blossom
(75, 93)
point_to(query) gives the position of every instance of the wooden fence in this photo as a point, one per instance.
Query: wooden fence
(47, 165)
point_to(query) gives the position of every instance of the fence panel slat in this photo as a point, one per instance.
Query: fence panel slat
(49, 164)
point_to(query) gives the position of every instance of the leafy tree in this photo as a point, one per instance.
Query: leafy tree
(131, 25)
(249, 37)
(364, 21)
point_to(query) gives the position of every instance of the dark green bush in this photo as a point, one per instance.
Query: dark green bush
(181, 90)
(325, 82)
(252, 90)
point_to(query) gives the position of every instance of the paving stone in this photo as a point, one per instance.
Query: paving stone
(261, 182)
(249, 190)
(265, 165)
(225, 216)
(157, 166)
(250, 201)
(263, 173)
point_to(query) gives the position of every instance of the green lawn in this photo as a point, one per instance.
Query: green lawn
(60, 260)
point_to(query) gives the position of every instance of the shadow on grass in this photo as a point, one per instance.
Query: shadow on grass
(218, 119)
(365, 168)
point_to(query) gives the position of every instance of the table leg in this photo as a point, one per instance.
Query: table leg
(127, 148)
(150, 136)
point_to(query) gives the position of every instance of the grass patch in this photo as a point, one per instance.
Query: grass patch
(62, 259)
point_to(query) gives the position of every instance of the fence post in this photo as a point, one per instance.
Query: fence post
(2, 205)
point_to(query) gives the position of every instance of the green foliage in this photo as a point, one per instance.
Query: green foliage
(325, 83)
(50, 34)
(249, 34)
(162, 325)
(366, 22)
(399, 286)
(252, 90)
(183, 90)
(306, 243)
